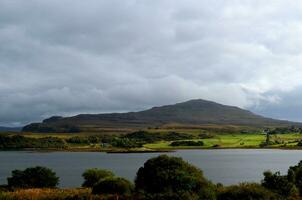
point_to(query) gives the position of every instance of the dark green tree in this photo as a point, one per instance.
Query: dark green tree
(93, 176)
(172, 175)
(294, 175)
(279, 184)
(34, 177)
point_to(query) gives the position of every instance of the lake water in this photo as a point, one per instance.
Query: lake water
(224, 166)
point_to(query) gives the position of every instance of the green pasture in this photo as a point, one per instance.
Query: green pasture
(235, 141)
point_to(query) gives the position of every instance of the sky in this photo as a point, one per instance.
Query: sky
(65, 57)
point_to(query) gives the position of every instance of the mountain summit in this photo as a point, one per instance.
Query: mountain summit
(193, 112)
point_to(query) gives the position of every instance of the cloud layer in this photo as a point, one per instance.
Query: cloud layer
(63, 57)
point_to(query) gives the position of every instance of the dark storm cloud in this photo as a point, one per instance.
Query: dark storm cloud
(67, 57)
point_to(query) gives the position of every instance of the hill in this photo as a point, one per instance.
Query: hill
(193, 112)
(14, 129)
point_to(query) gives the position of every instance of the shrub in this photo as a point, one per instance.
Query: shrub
(93, 139)
(205, 135)
(243, 191)
(113, 185)
(187, 143)
(294, 175)
(35, 177)
(93, 176)
(176, 136)
(164, 174)
(21, 142)
(143, 136)
(299, 144)
(279, 184)
(125, 143)
(147, 137)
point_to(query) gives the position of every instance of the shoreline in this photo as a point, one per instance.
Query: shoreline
(164, 150)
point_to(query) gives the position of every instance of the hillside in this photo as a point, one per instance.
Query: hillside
(193, 112)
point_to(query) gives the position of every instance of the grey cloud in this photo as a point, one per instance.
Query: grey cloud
(68, 57)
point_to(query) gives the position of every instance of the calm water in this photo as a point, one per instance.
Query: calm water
(225, 166)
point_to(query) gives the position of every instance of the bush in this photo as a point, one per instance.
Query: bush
(187, 143)
(164, 175)
(205, 135)
(4, 188)
(243, 191)
(284, 130)
(93, 176)
(93, 139)
(176, 136)
(143, 136)
(294, 175)
(113, 185)
(299, 144)
(125, 143)
(21, 142)
(279, 184)
(35, 177)
(147, 137)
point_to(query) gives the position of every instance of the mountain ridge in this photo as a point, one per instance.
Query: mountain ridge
(192, 112)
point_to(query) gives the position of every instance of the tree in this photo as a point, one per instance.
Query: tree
(164, 175)
(93, 176)
(279, 184)
(113, 185)
(34, 177)
(294, 175)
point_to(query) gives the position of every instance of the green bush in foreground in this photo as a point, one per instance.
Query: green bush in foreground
(93, 176)
(34, 177)
(172, 175)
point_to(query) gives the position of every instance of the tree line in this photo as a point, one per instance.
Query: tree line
(130, 140)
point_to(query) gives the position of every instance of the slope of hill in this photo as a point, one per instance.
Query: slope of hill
(193, 112)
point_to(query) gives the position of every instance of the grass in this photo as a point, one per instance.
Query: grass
(234, 141)
(54, 194)
(43, 194)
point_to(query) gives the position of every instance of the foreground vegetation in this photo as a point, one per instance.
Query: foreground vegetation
(160, 178)
(157, 139)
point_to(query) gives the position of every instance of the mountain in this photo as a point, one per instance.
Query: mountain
(3, 128)
(193, 112)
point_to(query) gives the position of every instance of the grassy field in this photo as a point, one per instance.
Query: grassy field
(236, 141)
(221, 138)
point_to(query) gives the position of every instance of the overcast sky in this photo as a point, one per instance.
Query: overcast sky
(64, 57)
